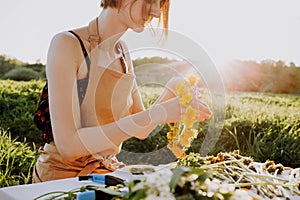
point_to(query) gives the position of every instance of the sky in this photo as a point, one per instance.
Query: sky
(225, 29)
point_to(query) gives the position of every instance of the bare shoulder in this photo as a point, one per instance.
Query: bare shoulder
(65, 46)
(64, 40)
(63, 54)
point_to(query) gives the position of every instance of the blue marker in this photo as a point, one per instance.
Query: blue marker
(107, 180)
(104, 179)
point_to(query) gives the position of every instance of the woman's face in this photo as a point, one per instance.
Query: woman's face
(138, 12)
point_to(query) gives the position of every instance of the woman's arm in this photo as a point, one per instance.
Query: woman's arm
(71, 139)
(138, 105)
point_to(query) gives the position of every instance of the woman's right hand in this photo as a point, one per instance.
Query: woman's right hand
(171, 110)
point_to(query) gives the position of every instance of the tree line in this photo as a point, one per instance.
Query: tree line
(247, 76)
(267, 76)
(14, 69)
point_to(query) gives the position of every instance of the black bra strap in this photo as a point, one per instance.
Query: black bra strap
(83, 83)
(86, 56)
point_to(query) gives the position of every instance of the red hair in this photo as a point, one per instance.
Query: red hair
(164, 10)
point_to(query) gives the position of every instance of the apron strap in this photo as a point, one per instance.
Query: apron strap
(93, 37)
(123, 60)
(90, 168)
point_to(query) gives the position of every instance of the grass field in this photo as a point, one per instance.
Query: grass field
(261, 125)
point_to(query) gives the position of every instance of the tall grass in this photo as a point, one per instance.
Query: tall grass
(16, 161)
(18, 102)
(263, 125)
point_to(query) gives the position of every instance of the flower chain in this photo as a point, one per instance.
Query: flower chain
(182, 133)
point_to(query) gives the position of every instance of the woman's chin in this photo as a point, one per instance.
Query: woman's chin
(138, 29)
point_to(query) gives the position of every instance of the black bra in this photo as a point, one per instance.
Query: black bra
(83, 83)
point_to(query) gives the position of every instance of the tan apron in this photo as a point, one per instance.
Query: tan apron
(108, 98)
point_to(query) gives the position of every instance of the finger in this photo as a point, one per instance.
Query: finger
(205, 115)
(200, 118)
(201, 103)
(203, 109)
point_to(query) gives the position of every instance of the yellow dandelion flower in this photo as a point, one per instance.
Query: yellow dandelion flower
(193, 79)
(189, 117)
(186, 99)
(184, 141)
(170, 136)
(174, 127)
(177, 151)
(181, 88)
(183, 155)
(190, 133)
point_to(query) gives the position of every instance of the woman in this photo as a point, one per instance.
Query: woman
(93, 97)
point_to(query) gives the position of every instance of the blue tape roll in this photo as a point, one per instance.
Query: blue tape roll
(88, 195)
